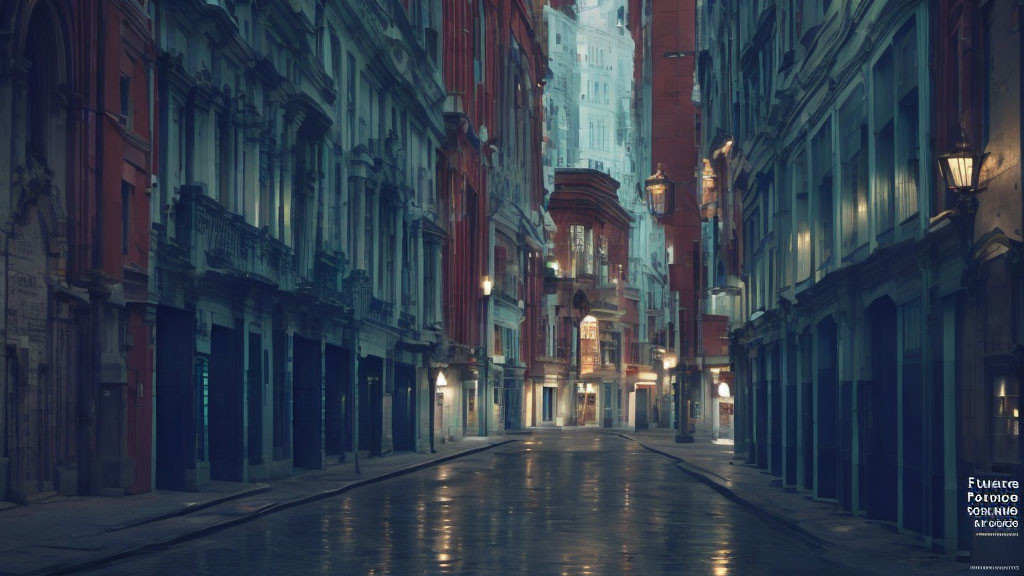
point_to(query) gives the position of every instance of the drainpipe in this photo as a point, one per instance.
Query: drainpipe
(101, 109)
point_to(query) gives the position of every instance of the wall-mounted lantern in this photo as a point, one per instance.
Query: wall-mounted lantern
(660, 192)
(960, 170)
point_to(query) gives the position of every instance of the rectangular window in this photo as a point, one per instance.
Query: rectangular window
(368, 235)
(581, 247)
(390, 248)
(908, 148)
(853, 148)
(885, 174)
(786, 228)
(335, 224)
(335, 57)
(429, 284)
(822, 170)
(126, 216)
(182, 142)
(126, 101)
(351, 98)
(381, 132)
(803, 223)
(223, 159)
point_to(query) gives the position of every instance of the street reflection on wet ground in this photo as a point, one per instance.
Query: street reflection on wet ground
(558, 503)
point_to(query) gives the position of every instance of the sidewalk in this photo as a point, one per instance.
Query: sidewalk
(70, 534)
(847, 537)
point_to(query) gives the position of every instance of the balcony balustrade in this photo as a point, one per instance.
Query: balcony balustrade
(406, 320)
(218, 239)
(380, 311)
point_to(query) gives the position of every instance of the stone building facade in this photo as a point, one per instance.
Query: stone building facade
(296, 284)
(866, 335)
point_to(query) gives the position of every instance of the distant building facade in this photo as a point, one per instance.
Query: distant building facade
(590, 124)
(593, 376)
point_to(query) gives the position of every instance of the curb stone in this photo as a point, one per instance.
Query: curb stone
(185, 510)
(707, 477)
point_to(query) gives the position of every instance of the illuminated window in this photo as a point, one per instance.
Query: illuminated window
(1006, 420)
(581, 249)
(589, 351)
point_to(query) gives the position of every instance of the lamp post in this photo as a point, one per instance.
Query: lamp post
(435, 387)
(482, 407)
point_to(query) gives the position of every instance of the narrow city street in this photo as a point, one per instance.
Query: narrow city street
(572, 502)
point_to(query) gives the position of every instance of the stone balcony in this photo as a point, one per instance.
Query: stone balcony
(218, 240)
(380, 311)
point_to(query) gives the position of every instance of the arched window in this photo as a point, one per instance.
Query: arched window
(43, 134)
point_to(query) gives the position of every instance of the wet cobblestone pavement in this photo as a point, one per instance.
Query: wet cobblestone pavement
(558, 503)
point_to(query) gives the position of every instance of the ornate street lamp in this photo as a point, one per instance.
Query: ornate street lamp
(660, 192)
(960, 170)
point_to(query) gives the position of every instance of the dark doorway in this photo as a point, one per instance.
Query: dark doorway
(403, 408)
(878, 415)
(846, 445)
(281, 395)
(914, 407)
(642, 401)
(225, 392)
(307, 407)
(175, 403)
(761, 418)
(827, 440)
(775, 395)
(792, 418)
(807, 411)
(337, 411)
(548, 403)
(371, 402)
(513, 404)
(254, 377)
